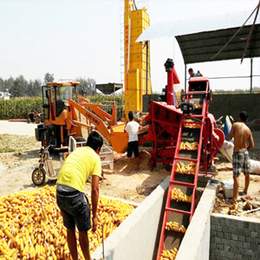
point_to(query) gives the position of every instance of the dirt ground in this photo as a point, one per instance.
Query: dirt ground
(19, 156)
(225, 172)
(245, 203)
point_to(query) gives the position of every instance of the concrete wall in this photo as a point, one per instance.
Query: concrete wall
(233, 104)
(136, 237)
(197, 237)
(234, 238)
(256, 137)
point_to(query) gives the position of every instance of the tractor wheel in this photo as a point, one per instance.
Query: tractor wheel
(38, 176)
(37, 120)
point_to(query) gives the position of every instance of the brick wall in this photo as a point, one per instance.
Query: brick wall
(234, 238)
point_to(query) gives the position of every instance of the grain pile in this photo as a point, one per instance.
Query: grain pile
(31, 225)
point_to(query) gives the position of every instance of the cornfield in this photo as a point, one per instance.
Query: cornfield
(107, 102)
(18, 108)
(119, 99)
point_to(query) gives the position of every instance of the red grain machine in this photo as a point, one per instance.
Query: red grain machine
(165, 119)
(186, 138)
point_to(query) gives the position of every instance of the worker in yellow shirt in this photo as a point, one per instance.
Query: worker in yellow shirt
(77, 168)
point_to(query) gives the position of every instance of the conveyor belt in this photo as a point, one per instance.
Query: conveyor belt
(181, 198)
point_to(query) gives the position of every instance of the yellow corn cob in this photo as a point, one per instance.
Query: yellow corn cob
(2, 210)
(33, 225)
(189, 146)
(193, 126)
(186, 169)
(179, 196)
(169, 254)
(8, 234)
(2, 250)
(10, 253)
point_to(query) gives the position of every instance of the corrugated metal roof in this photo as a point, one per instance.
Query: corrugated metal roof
(201, 38)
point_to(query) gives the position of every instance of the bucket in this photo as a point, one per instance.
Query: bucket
(228, 188)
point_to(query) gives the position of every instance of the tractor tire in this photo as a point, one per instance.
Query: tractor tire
(38, 176)
(37, 120)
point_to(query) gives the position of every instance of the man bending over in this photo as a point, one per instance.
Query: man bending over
(80, 164)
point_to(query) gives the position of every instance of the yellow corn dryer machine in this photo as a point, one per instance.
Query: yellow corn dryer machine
(137, 58)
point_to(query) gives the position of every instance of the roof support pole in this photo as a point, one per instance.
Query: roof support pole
(251, 75)
(185, 76)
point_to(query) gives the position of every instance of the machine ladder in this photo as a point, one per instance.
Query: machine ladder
(181, 197)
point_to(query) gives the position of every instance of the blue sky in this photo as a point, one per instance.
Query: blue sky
(82, 39)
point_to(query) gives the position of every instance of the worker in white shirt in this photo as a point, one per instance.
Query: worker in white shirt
(132, 128)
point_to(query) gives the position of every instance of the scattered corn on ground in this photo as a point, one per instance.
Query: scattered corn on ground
(169, 254)
(186, 169)
(31, 225)
(189, 146)
(179, 196)
(170, 226)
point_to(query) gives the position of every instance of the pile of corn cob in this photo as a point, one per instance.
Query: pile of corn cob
(186, 169)
(179, 196)
(192, 126)
(189, 146)
(175, 226)
(197, 106)
(169, 254)
(31, 226)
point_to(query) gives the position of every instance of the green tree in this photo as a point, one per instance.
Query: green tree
(1, 85)
(19, 87)
(87, 86)
(8, 84)
(48, 77)
(34, 88)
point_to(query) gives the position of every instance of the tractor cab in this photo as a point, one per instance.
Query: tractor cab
(56, 96)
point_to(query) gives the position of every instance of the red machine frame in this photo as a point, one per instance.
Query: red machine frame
(168, 123)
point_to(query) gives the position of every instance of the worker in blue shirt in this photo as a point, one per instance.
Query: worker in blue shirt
(192, 74)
